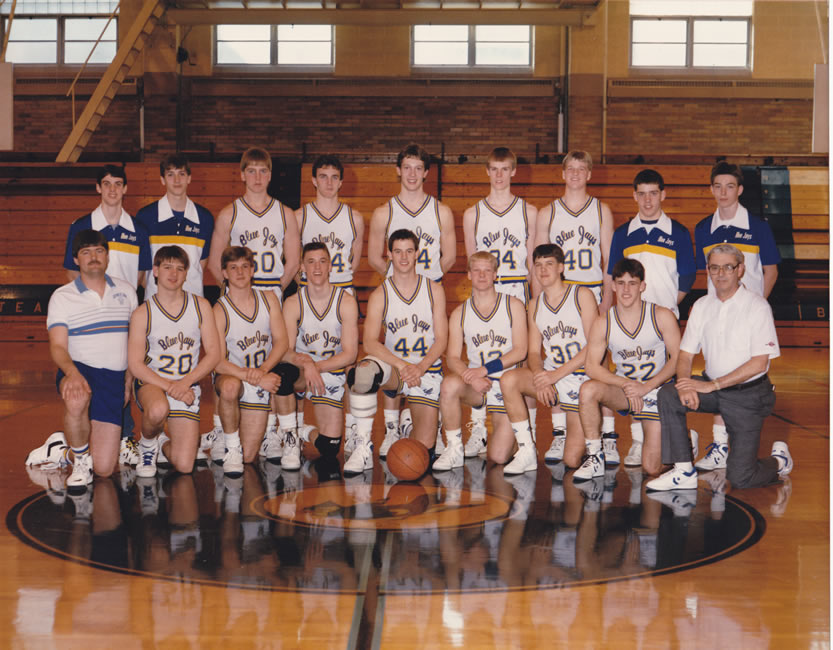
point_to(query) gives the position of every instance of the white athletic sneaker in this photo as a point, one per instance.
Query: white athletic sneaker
(147, 461)
(52, 454)
(360, 460)
(782, 454)
(695, 440)
(162, 461)
(593, 491)
(681, 502)
(634, 457)
(557, 470)
(452, 457)
(351, 439)
(233, 461)
(609, 448)
(82, 474)
(525, 460)
(592, 467)
(53, 481)
(128, 452)
(556, 451)
(476, 442)
(271, 447)
(673, 479)
(291, 459)
(715, 458)
(218, 445)
(392, 434)
(406, 423)
(439, 444)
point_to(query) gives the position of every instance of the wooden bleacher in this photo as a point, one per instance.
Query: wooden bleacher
(39, 201)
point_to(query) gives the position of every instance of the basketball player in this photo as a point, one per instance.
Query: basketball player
(87, 321)
(731, 223)
(252, 340)
(644, 341)
(166, 335)
(559, 322)
(176, 219)
(432, 222)
(663, 246)
(323, 333)
(504, 225)
(406, 361)
(582, 226)
(328, 220)
(492, 326)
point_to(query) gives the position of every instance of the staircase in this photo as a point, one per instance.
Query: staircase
(129, 50)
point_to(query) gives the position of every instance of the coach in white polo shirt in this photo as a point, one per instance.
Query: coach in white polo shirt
(735, 331)
(87, 321)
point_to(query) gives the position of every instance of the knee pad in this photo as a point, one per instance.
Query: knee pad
(328, 447)
(363, 406)
(289, 375)
(368, 375)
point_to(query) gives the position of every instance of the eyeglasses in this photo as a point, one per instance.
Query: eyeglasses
(715, 269)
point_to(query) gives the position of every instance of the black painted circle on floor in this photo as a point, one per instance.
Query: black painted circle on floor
(461, 531)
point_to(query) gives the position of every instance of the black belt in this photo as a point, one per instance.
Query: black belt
(748, 384)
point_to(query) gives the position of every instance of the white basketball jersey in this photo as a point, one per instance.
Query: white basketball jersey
(487, 336)
(248, 339)
(173, 340)
(504, 234)
(579, 235)
(409, 322)
(338, 232)
(562, 332)
(262, 232)
(319, 334)
(640, 354)
(425, 224)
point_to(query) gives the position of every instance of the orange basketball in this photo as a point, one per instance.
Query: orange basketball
(407, 459)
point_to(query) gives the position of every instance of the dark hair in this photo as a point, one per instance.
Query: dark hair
(315, 246)
(168, 253)
(86, 239)
(649, 177)
(174, 161)
(414, 151)
(110, 170)
(402, 233)
(630, 266)
(548, 250)
(328, 160)
(729, 169)
(234, 253)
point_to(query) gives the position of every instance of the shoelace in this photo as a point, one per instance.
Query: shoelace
(713, 448)
(147, 458)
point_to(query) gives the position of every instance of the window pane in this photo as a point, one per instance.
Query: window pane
(733, 56)
(249, 53)
(88, 29)
(658, 55)
(77, 7)
(691, 7)
(305, 32)
(720, 31)
(659, 31)
(502, 54)
(244, 32)
(441, 33)
(32, 52)
(517, 33)
(39, 29)
(291, 53)
(77, 52)
(441, 53)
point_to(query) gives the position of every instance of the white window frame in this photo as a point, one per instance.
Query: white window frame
(273, 64)
(471, 65)
(60, 38)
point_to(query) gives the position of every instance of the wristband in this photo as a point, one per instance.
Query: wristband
(493, 366)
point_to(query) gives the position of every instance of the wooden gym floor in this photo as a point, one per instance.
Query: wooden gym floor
(465, 559)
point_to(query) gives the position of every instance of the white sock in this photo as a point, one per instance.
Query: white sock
(533, 415)
(232, 439)
(686, 467)
(271, 421)
(454, 437)
(299, 414)
(349, 420)
(478, 414)
(559, 422)
(287, 422)
(522, 432)
(146, 444)
(218, 423)
(637, 435)
(594, 447)
(608, 424)
(721, 437)
(391, 419)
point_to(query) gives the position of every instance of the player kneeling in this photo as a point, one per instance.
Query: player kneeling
(411, 309)
(254, 342)
(492, 326)
(323, 334)
(558, 321)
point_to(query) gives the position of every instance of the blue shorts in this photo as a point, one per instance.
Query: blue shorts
(107, 387)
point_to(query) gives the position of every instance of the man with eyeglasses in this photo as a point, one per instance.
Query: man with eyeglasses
(731, 223)
(734, 329)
